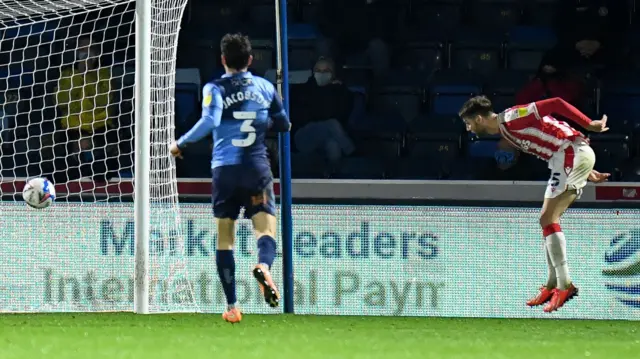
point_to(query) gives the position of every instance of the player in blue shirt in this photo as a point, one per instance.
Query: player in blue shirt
(237, 110)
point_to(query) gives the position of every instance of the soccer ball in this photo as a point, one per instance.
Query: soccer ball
(39, 193)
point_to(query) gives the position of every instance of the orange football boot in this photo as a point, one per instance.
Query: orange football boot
(560, 297)
(232, 315)
(267, 285)
(544, 295)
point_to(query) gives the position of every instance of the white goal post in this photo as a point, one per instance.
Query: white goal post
(68, 82)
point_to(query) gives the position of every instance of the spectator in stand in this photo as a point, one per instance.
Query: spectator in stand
(591, 32)
(321, 113)
(352, 27)
(88, 142)
(553, 79)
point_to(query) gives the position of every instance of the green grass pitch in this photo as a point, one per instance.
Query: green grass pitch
(194, 336)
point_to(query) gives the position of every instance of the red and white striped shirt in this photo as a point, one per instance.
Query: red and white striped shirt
(533, 130)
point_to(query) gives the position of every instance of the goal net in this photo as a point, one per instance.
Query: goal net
(67, 85)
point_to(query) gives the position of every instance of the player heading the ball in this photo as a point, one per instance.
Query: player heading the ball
(238, 110)
(531, 129)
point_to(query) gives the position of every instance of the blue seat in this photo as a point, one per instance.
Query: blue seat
(449, 89)
(302, 54)
(503, 87)
(303, 31)
(357, 78)
(541, 12)
(387, 148)
(44, 31)
(17, 75)
(186, 101)
(620, 100)
(447, 125)
(425, 56)
(187, 170)
(308, 166)
(437, 18)
(417, 169)
(496, 14)
(380, 124)
(360, 168)
(436, 150)
(263, 55)
(473, 49)
(527, 45)
(613, 145)
(612, 153)
(482, 148)
(404, 100)
(310, 10)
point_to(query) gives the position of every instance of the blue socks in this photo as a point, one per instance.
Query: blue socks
(266, 250)
(227, 272)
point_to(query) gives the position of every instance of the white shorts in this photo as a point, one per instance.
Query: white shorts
(570, 169)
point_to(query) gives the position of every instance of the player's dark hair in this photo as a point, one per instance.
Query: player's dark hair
(236, 49)
(479, 105)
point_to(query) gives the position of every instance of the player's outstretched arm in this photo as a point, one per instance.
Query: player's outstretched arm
(561, 107)
(211, 116)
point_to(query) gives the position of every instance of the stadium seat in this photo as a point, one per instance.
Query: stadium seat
(527, 45)
(308, 166)
(43, 31)
(358, 118)
(473, 49)
(296, 77)
(540, 12)
(186, 104)
(435, 141)
(484, 148)
(435, 149)
(310, 10)
(263, 55)
(360, 168)
(379, 146)
(357, 79)
(417, 169)
(303, 31)
(496, 14)
(186, 78)
(612, 152)
(620, 101)
(378, 135)
(425, 56)
(436, 18)
(449, 89)
(16, 75)
(403, 100)
(186, 169)
(447, 125)
(504, 85)
(302, 54)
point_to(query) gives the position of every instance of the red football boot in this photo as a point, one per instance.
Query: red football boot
(560, 297)
(544, 295)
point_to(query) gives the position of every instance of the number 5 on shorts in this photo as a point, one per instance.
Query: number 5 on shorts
(248, 117)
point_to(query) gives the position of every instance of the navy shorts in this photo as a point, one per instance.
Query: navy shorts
(235, 187)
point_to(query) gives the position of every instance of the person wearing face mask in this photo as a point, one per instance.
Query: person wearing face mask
(83, 97)
(320, 111)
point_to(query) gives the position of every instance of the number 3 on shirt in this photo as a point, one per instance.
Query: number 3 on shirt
(248, 117)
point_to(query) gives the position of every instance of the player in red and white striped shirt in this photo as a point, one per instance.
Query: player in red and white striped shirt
(532, 129)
